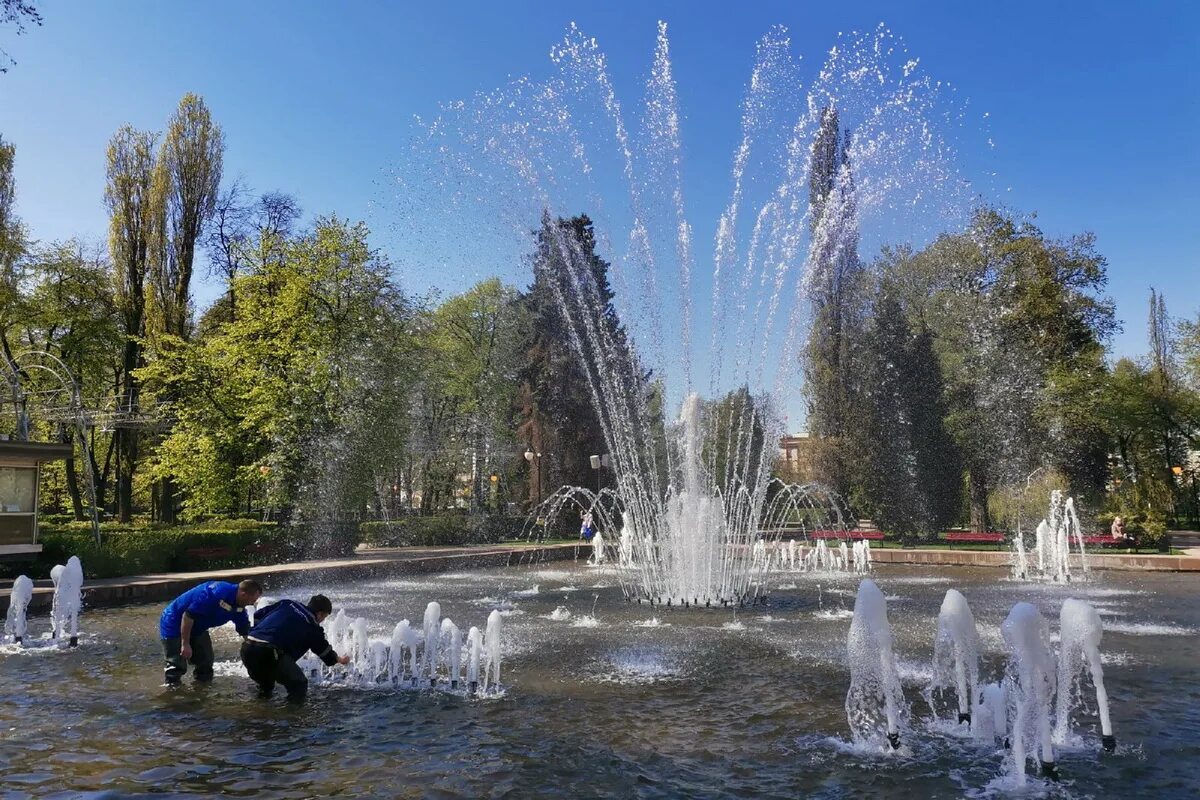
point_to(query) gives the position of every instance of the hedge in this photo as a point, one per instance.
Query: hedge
(443, 530)
(132, 550)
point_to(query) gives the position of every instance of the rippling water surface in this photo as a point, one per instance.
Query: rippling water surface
(603, 702)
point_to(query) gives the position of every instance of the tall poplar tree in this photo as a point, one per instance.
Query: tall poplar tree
(135, 235)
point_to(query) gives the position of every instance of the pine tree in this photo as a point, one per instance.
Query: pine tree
(577, 352)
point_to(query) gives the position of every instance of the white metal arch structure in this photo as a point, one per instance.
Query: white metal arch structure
(72, 413)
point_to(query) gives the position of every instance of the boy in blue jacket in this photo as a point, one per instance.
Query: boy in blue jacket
(186, 621)
(283, 632)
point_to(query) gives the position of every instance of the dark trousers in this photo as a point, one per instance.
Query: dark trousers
(201, 660)
(268, 666)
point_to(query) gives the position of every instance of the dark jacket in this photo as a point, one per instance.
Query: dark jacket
(210, 605)
(291, 628)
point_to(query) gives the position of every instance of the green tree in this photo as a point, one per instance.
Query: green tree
(908, 466)
(473, 338)
(836, 279)
(136, 223)
(581, 376)
(188, 174)
(300, 401)
(1011, 314)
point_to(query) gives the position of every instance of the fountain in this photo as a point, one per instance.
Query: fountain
(68, 599)
(1053, 539)
(956, 655)
(1030, 685)
(491, 673)
(1080, 631)
(597, 549)
(408, 656)
(874, 685)
(16, 623)
(690, 499)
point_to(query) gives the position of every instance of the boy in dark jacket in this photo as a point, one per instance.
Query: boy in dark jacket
(186, 621)
(283, 632)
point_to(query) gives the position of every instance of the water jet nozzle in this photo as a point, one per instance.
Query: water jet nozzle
(894, 740)
(1049, 770)
(1109, 743)
(964, 717)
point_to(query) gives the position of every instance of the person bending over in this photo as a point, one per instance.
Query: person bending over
(283, 632)
(186, 621)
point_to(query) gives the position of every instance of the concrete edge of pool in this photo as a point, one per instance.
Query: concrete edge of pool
(374, 563)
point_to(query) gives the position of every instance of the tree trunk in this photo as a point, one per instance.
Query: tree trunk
(979, 497)
(127, 451)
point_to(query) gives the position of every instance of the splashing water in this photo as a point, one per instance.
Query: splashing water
(68, 599)
(1030, 685)
(690, 499)
(875, 706)
(956, 655)
(1080, 632)
(16, 622)
(1053, 540)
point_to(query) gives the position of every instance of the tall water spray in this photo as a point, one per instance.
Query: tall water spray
(875, 706)
(956, 654)
(16, 623)
(1080, 632)
(690, 499)
(1030, 685)
(68, 599)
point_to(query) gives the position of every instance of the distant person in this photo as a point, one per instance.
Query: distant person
(186, 621)
(283, 632)
(588, 530)
(1118, 530)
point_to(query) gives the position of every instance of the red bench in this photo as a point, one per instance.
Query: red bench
(965, 537)
(846, 535)
(1104, 540)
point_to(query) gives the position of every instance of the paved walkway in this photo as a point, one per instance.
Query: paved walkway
(372, 563)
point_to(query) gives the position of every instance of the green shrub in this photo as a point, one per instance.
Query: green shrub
(438, 531)
(132, 550)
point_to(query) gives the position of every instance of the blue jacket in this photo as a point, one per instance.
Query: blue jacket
(210, 605)
(290, 627)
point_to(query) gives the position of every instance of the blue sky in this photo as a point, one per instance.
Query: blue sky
(1093, 107)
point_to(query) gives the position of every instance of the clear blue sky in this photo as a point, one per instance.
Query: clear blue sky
(1094, 107)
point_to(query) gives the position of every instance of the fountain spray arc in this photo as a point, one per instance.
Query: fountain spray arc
(857, 158)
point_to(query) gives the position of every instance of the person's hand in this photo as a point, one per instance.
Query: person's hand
(185, 650)
(343, 660)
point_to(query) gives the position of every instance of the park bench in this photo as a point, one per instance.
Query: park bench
(1106, 540)
(967, 537)
(849, 536)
